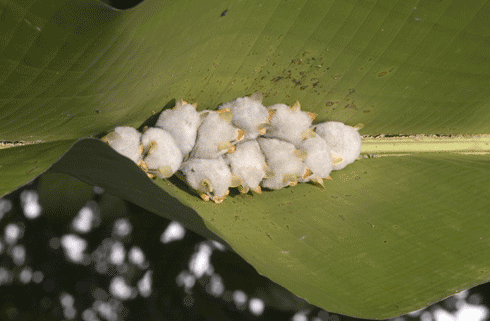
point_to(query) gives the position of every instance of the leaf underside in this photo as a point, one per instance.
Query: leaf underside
(387, 235)
(25, 163)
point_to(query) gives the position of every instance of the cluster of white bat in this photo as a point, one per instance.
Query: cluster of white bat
(243, 144)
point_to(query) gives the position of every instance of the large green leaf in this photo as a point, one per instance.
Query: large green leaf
(73, 69)
(387, 236)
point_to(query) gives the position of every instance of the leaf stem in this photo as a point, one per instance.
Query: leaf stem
(464, 144)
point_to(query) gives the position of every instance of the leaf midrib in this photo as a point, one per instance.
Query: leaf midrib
(426, 144)
(399, 145)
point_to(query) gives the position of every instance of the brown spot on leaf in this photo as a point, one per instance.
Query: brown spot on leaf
(31, 170)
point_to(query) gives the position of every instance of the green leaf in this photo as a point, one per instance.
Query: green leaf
(77, 69)
(24, 163)
(386, 236)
